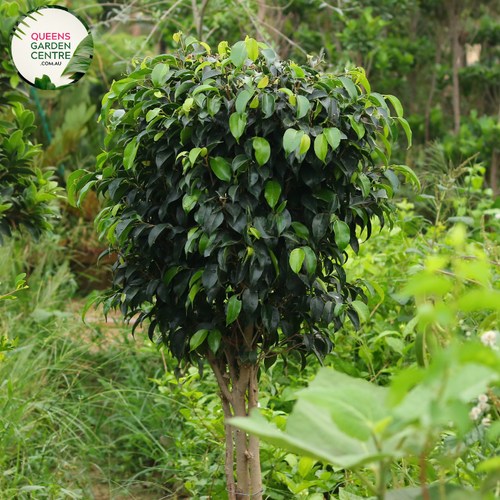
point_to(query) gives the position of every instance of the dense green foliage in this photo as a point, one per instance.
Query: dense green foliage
(213, 228)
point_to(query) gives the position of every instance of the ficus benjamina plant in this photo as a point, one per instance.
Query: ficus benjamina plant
(234, 184)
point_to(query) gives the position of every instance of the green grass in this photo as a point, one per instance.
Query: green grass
(80, 414)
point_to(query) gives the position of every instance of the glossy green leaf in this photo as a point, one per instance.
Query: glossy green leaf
(305, 144)
(342, 234)
(242, 100)
(238, 54)
(272, 193)
(237, 125)
(303, 106)
(221, 168)
(296, 260)
(364, 183)
(268, 105)
(291, 140)
(407, 130)
(159, 74)
(300, 230)
(197, 339)
(409, 174)
(262, 150)
(332, 135)
(350, 87)
(214, 340)
(397, 104)
(129, 154)
(170, 274)
(311, 260)
(361, 309)
(252, 49)
(233, 309)
(358, 127)
(321, 147)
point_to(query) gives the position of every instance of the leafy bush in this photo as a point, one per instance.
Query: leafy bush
(25, 192)
(235, 241)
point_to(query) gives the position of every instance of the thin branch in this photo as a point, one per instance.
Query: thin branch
(470, 257)
(453, 275)
(155, 27)
(291, 42)
(256, 26)
(220, 380)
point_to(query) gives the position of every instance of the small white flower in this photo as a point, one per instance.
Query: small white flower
(486, 421)
(482, 398)
(483, 406)
(489, 338)
(258, 405)
(474, 413)
(497, 216)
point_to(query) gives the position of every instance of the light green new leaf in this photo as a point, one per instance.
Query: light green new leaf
(291, 140)
(332, 135)
(197, 339)
(305, 466)
(264, 81)
(237, 125)
(407, 130)
(159, 74)
(409, 174)
(303, 106)
(252, 48)
(272, 193)
(397, 104)
(262, 150)
(342, 234)
(311, 260)
(242, 100)
(305, 144)
(221, 168)
(238, 54)
(362, 309)
(152, 114)
(233, 309)
(193, 154)
(129, 154)
(297, 257)
(321, 147)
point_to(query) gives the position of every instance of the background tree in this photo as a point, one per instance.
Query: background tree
(25, 192)
(236, 185)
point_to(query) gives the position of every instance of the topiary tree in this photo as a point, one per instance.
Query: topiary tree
(25, 191)
(234, 184)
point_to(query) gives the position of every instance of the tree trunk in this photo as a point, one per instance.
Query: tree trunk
(432, 89)
(495, 160)
(454, 11)
(494, 172)
(239, 395)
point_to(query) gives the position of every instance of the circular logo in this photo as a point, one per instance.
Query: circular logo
(51, 47)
